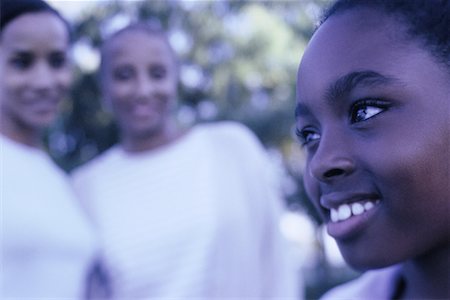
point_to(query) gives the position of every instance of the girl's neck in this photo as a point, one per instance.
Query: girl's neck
(427, 277)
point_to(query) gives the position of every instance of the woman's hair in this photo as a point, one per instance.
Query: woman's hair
(11, 9)
(426, 21)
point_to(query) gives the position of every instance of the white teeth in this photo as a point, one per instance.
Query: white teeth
(368, 205)
(357, 208)
(346, 211)
(334, 215)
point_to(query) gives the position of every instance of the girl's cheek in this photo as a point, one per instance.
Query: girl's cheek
(311, 186)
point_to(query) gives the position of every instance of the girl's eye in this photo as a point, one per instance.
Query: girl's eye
(366, 109)
(307, 135)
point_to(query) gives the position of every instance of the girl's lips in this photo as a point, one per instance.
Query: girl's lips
(345, 211)
(349, 213)
(347, 224)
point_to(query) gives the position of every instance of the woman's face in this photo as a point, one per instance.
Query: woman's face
(140, 83)
(34, 70)
(373, 113)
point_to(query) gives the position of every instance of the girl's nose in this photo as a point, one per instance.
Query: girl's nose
(333, 158)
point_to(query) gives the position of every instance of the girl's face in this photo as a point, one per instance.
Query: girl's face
(373, 114)
(140, 83)
(34, 70)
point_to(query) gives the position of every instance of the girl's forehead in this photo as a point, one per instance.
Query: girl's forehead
(352, 41)
(366, 19)
(362, 49)
(358, 31)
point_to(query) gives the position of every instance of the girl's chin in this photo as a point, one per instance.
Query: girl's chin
(361, 261)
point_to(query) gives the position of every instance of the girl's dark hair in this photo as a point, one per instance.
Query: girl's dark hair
(427, 21)
(12, 9)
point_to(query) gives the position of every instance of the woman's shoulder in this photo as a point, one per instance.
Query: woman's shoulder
(233, 142)
(229, 133)
(97, 164)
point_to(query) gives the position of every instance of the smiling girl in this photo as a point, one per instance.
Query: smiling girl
(372, 114)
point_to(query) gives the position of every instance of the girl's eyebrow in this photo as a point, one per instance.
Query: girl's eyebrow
(301, 110)
(345, 84)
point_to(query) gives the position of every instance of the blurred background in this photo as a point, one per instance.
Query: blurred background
(238, 61)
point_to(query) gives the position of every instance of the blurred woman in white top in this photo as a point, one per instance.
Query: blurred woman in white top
(182, 213)
(47, 245)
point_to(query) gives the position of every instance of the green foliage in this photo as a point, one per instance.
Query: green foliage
(238, 61)
(243, 54)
